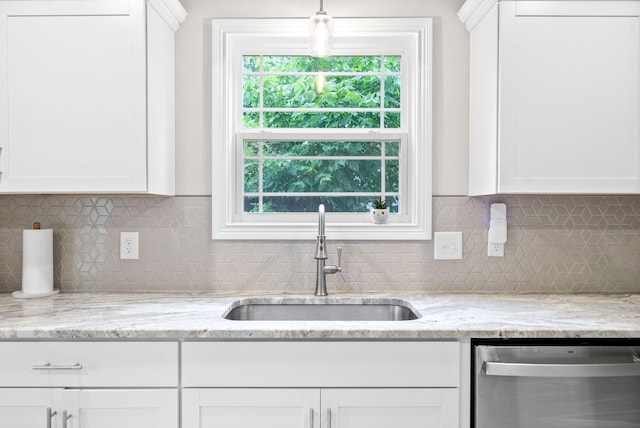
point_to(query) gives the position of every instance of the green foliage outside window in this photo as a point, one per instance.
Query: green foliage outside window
(357, 92)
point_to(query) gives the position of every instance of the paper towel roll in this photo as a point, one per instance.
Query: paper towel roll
(37, 264)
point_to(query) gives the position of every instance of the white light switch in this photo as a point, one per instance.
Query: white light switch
(447, 246)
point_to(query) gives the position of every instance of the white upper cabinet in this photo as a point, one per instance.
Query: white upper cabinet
(87, 90)
(555, 97)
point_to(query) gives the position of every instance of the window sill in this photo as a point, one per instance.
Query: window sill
(352, 231)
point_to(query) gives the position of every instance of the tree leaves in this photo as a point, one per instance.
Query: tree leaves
(282, 92)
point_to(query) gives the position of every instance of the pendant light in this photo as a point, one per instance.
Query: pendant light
(320, 34)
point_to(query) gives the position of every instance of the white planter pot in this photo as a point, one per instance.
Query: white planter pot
(380, 216)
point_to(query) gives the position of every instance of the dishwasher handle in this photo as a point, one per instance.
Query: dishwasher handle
(561, 370)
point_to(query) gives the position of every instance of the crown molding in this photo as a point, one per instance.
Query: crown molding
(472, 12)
(171, 11)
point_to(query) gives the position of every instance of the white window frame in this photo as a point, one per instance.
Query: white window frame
(234, 38)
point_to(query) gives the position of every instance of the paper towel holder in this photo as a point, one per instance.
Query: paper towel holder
(37, 257)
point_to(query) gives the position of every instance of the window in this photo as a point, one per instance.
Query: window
(312, 95)
(292, 131)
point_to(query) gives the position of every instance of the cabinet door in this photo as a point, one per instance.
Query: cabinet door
(28, 408)
(72, 85)
(124, 408)
(569, 97)
(390, 408)
(250, 408)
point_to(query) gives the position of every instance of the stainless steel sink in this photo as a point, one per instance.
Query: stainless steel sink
(321, 310)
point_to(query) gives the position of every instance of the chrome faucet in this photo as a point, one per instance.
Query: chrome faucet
(321, 257)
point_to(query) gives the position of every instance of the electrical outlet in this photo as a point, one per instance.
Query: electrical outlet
(129, 245)
(496, 250)
(447, 246)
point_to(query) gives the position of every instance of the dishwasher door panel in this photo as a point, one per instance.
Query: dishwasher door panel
(515, 402)
(586, 397)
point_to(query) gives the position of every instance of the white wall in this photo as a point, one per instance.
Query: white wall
(450, 80)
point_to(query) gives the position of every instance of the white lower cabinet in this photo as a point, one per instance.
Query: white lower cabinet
(320, 384)
(322, 408)
(88, 408)
(27, 408)
(230, 384)
(248, 407)
(390, 408)
(89, 385)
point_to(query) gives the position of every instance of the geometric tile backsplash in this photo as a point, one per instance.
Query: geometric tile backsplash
(556, 244)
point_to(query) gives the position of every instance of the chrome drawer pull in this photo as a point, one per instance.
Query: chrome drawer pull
(50, 416)
(329, 418)
(311, 417)
(49, 366)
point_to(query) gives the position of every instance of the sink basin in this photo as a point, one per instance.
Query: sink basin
(320, 309)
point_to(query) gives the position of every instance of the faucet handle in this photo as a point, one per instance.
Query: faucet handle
(339, 259)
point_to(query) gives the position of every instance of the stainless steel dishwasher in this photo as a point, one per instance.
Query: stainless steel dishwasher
(583, 384)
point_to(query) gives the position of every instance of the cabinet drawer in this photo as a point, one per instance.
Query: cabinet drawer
(89, 364)
(320, 364)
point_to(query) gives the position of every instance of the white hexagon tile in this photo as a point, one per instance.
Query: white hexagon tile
(555, 244)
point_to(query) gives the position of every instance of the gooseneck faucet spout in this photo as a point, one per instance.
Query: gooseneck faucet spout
(321, 247)
(321, 220)
(321, 257)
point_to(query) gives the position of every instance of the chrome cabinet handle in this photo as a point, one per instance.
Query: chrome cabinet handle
(339, 259)
(311, 417)
(49, 366)
(50, 415)
(561, 370)
(65, 417)
(329, 418)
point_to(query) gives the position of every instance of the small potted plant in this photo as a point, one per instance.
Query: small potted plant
(379, 211)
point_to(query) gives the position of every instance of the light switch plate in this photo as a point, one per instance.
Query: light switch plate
(447, 246)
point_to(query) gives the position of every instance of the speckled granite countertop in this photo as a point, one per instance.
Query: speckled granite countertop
(199, 316)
